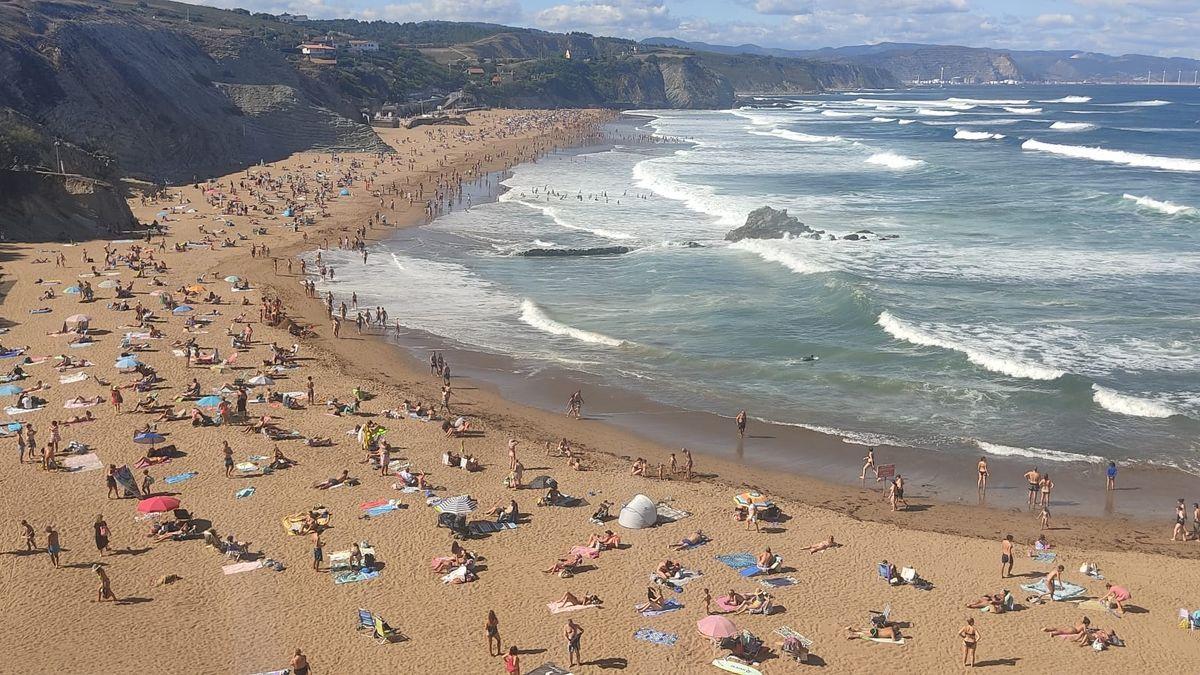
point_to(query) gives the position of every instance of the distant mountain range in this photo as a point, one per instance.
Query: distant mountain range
(910, 62)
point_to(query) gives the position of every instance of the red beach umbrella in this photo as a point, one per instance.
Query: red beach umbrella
(158, 504)
(716, 627)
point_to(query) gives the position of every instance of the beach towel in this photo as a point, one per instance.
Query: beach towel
(180, 477)
(246, 467)
(244, 492)
(669, 514)
(489, 526)
(80, 345)
(585, 552)
(88, 462)
(353, 576)
(1065, 590)
(11, 410)
(84, 404)
(724, 603)
(677, 582)
(886, 641)
(10, 353)
(460, 573)
(779, 582)
(366, 506)
(383, 509)
(41, 310)
(558, 608)
(786, 632)
(656, 637)
(241, 567)
(668, 606)
(549, 669)
(738, 561)
(1045, 556)
(69, 379)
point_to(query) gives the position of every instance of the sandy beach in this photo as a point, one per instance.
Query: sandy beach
(207, 620)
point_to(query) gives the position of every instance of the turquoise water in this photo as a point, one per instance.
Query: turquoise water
(1041, 299)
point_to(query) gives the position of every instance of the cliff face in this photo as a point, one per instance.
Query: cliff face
(688, 83)
(980, 65)
(772, 75)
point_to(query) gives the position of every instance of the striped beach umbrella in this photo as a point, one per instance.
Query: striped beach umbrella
(149, 438)
(260, 381)
(182, 309)
(460, 505)
(71, 290)
(753, 499)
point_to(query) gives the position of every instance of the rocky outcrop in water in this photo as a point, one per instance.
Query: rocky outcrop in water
(573, 252)
(769, 223)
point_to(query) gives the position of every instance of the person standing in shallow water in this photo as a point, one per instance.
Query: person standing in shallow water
(1111, 477)
(741, 423)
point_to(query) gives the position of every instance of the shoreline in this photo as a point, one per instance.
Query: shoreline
(656, 428)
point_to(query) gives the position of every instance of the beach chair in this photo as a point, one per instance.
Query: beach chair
(384, 633)
(882, 618)
(366, 621)
(886, 571)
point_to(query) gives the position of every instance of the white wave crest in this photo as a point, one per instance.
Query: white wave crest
(994, 362)
(967, 135)
(798, 136)
(1069, 99)
(1139, 104)
(1115, 156)
(561, 222)
(936, 113)
(1162, 207)
(989, 101)
(907, 121)
(1124, 404)
(1023, 111)
(1036, 453)
(1072, 126)
(652, 175)
(838, 113)
(895, 161)
(533, 315)
(779, 251)
(883, 119)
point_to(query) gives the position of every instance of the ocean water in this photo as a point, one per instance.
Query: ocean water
(1042, 298)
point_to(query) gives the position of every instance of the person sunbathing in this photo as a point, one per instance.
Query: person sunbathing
(279, 461)
(759, 603)
(694, 539)
(569, 599)
(765, 560)
(1078, 629)
(1040, 545)
(667, 570)
(334, 482)
(565, 564)
(76, 419)
(605, 542)
(1094, 635)
(734, 600)
(81, 401)
(655, 600)
(199, 419)
(993, 603)
(823, 545)
(873, 633)
(170, 415)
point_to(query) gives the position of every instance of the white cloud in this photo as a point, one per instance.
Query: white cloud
(786, 7)
(1054, 20)
(494, 11)
(621, 16)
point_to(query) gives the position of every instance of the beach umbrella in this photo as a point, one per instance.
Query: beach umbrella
(182, 309)
(127, 363)
(9, 390)
(209, 402)
(149, 438)
(13, 426)
(71, 290)
(260, 381)
(78, 318)
(233, 278)
(460, 505)
(344, 192)
(753, 499)
(158, 293)
(109, 283)
(158, 504)
(161, 214)
(716, 627)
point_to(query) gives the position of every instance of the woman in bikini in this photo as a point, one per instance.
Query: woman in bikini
(981, 482)
(970, 638)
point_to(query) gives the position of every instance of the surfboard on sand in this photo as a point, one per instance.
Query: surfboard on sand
(736, 667)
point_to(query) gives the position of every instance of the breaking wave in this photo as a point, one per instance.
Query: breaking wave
(1115, 156)
(1069, 99)
(966, 135)
(996, 363)
(1124, 404)
(771, 251)
(1072, 126)
(1036, 453)
(1162, 207)
(892, 160)
(534, 316)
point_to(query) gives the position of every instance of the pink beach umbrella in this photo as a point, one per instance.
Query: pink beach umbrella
(158, 504)
(716, 627)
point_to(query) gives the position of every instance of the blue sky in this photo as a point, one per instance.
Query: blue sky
(1159, 27)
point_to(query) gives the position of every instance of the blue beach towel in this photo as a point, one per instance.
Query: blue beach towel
(244, 492)
(656, 637)
(1045, 556)
(668, 606)
(353, 576)
(180, 477)
(1065, 590)
(778, 582)
(738, 561)
(381, 510)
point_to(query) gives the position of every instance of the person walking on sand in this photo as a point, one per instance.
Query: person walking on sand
(512, 454)
(868, 464)
(970, 638)
(573, 635)
(104, 592)
(101, 535)
(53, 547)
(228, 453)
(28, 536)
(689, 464)
(492, 628)
(114, 396)
(1006, 556)
(318, 553)
(741, 423)
(1180, 532)
(1046, 485)
(1110, 473)
(310, 390)
(299, 663)
(1034, 479)
(1044, 518)
(512, 661)
(981, 482)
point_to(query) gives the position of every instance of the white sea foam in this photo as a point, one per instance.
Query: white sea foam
(1072, 126)
(887, 108)
(780, 251)
(966, 135)
(534, 316)
(1139, 104)
(936, 113)
(1124, 404)
(1115, 156)
(1024, 111)
(1036, 453)
(1069, 99)
(927, 336)
(989, 101)
(798, 136)
(893, 160)
(654, 175)
(554, 215)
(838, 113)
(544, 244)
(907, 121)
(1162, 207)
(883, 119)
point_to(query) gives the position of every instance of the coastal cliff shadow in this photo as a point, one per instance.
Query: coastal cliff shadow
(998, 662)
